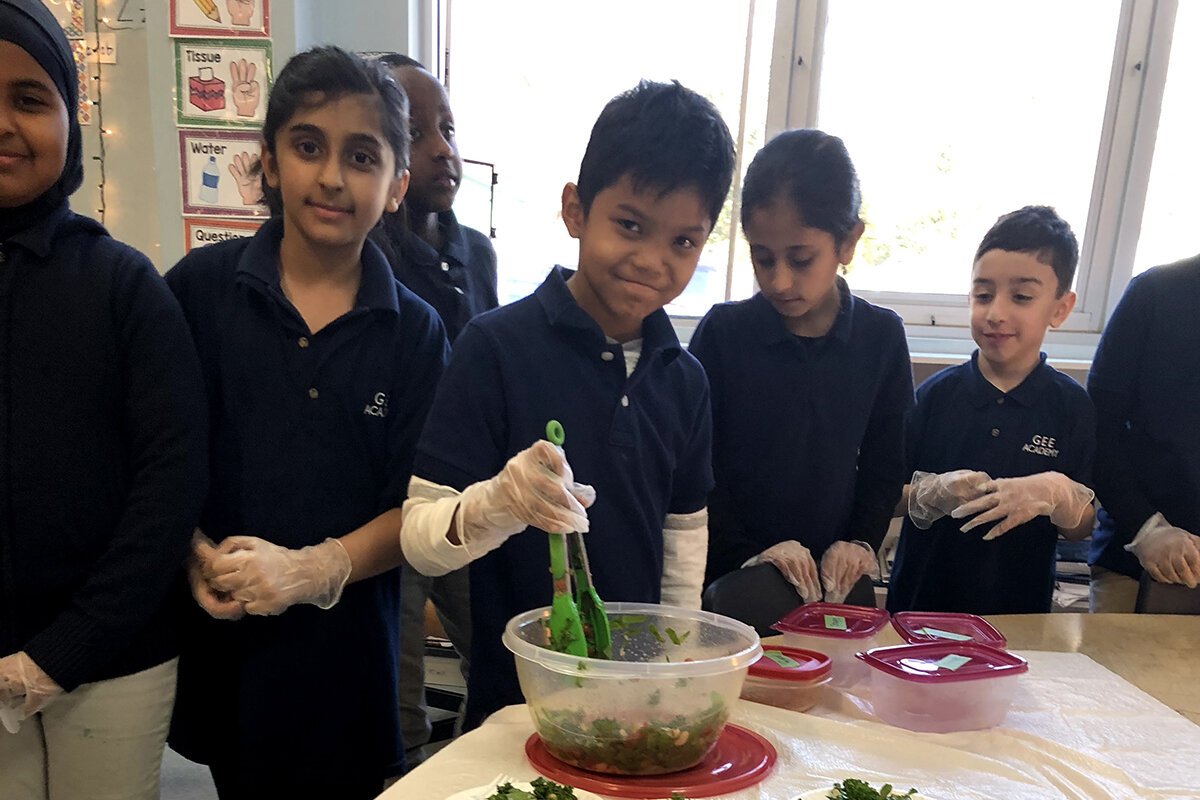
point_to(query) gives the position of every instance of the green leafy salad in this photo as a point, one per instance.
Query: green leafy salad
(653, 747)
(853, 789)
(542, 790)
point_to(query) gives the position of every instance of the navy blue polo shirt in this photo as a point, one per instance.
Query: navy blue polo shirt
(1145, 382)
(1046, 424)
(642, 441)
(459, 281)
(808, 439)
(312, 436)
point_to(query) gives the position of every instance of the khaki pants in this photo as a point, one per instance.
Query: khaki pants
(103, 741)
(1111, 592)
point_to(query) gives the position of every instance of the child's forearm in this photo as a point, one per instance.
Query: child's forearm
(902, 506)
(375, 547)
(1083, 529)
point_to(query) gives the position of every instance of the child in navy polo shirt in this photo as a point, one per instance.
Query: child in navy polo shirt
(1003, 439)
(1144, 384)
(453, 268)
(595, 350)
(810, 384)
(319, 367)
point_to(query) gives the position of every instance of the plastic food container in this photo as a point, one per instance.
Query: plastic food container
(837, 630)
(787, 677)
(659, 706)
(916, 627)
(942, 686)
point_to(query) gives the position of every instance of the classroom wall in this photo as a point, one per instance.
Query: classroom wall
(142, 193)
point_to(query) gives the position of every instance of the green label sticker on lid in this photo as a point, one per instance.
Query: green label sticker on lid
(939, 634)
(782, 660)
(835, 623)
(952, 662)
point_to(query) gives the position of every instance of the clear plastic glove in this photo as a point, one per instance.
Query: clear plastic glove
(24, 686)
(932, 496)
(797, 565)
(841, 567)
(1015, 501)
(536, 487)
(218, 604)
(268, 579)
(1169, 554)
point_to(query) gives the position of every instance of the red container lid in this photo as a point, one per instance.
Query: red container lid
(834, 620)
(915, 627)
(790, 664)
(944, 662)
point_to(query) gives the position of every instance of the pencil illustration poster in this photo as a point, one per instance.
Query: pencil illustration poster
(249, 18)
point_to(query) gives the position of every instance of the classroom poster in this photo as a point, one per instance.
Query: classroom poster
(201, 232)
(250, 18)
(69, 14)
(220, 173)
(222, 82)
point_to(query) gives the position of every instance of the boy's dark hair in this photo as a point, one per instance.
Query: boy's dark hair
(324, 74)
(1041, 232)
(663, 136)
(812, 170)
(398, 60)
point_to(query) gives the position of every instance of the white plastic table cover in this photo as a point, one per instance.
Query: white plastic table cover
(1075, 730)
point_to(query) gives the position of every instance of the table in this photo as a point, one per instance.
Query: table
(1087, 747)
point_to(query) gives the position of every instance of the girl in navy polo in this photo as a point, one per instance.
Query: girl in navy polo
(102, 446)
(320, 369)
(810, 384)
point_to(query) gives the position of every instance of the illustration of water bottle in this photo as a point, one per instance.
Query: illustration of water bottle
(209, 180)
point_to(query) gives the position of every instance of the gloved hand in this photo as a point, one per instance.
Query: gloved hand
(1015, 501)
(24, 686)
(797, 565)
(536, 487)
(1169, 554)
(218, 604)
(841, 567)
(932, 496)
(268, 579)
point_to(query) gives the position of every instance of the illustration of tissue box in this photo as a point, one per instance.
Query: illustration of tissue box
(206, 91)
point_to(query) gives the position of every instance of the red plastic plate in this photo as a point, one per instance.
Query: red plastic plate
(740, 758)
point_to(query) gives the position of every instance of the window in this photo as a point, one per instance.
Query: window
(953, 112)
(525, 99)
(950, 128)
(1168, 230)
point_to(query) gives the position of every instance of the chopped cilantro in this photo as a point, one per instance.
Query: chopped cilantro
(542, 790)
(854, 789)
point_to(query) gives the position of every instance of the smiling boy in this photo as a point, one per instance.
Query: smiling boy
(595, 350)
(1004, 439)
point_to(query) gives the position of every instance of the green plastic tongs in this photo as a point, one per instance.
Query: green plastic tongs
(579, 623)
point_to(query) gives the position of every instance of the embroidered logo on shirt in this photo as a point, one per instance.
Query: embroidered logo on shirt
(1042, 446)
(378, 405)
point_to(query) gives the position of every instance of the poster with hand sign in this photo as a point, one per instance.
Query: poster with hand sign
(221, 176)
(222, 82)
(250, 18)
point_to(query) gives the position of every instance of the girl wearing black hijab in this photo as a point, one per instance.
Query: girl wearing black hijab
(102, 456)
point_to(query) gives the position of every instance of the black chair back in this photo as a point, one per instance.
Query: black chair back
(1166, 598)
